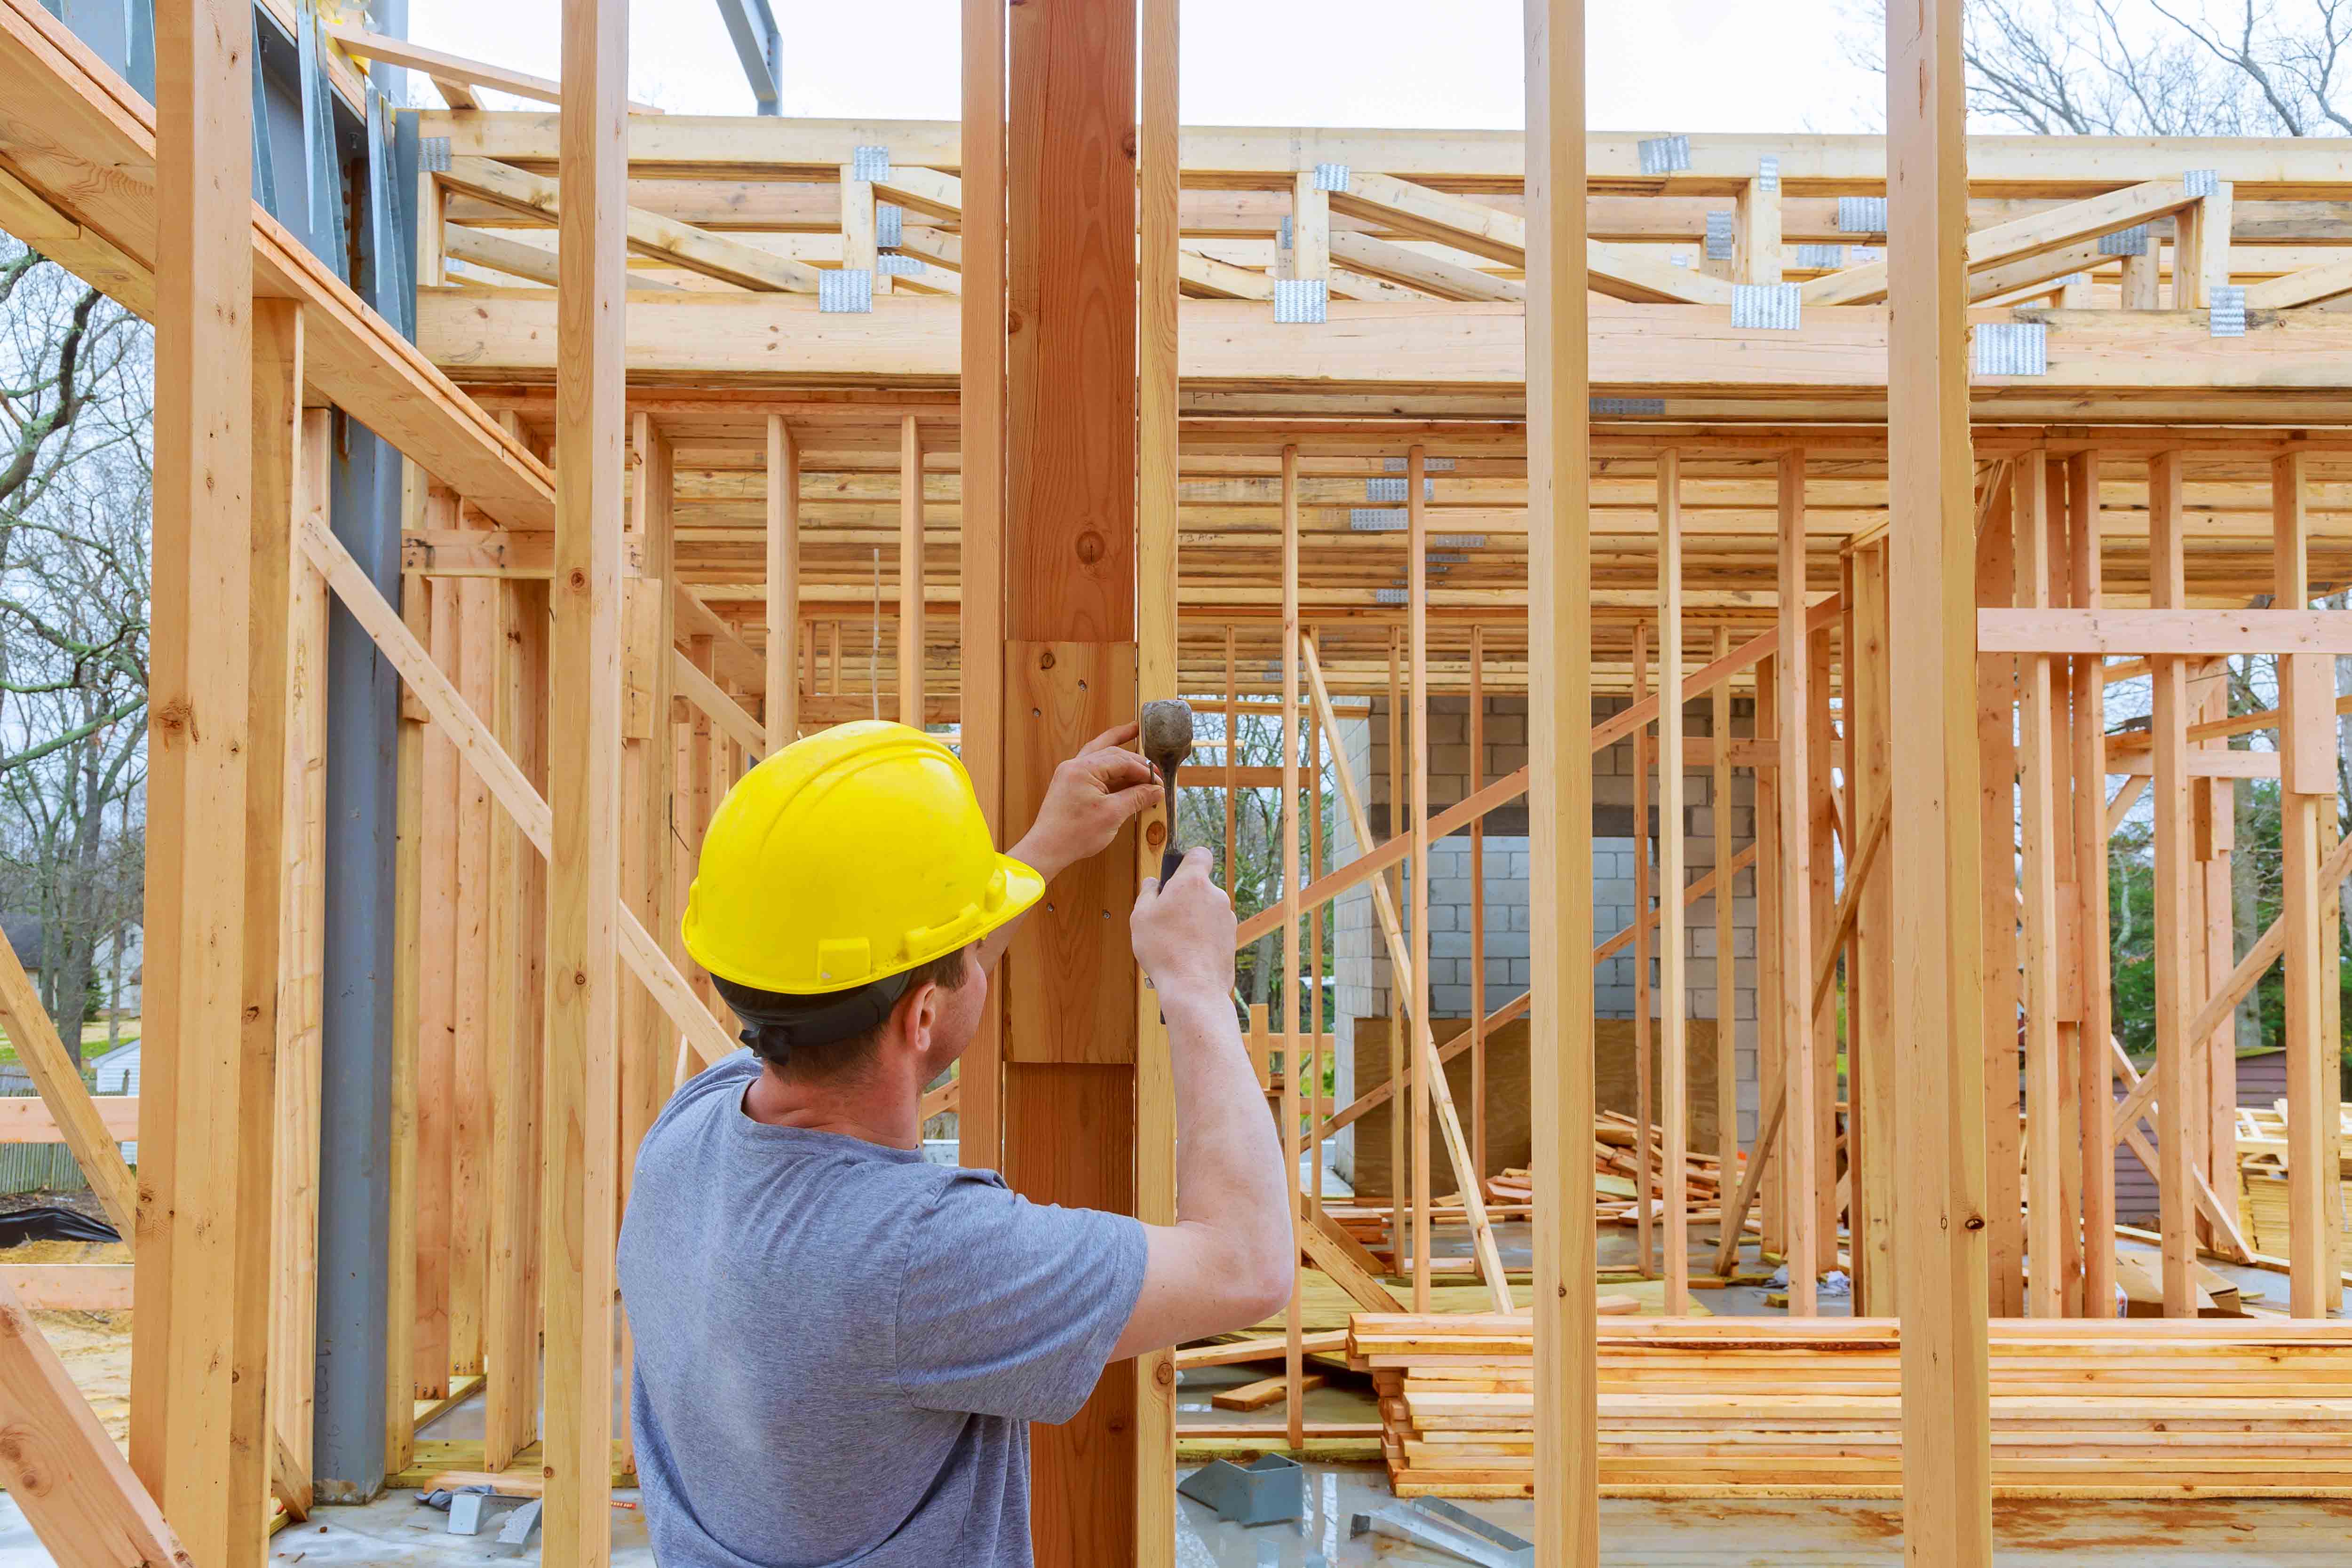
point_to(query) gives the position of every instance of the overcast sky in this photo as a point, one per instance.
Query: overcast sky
(1655, 65)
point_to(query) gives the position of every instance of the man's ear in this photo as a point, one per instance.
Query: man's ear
(920, 1009)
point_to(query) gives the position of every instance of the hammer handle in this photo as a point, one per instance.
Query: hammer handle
(1169, 858)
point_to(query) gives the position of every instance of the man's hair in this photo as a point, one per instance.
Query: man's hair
(770, 1019)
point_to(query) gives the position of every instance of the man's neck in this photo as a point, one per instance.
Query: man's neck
(889, 1114)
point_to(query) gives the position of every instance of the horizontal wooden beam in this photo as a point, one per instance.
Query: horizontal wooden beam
(70, 1287)
(28, 1119)
(453, 69)
(2021, 239)
(2145, 634)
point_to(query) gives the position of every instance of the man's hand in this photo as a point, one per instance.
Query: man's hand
(1093, 795)
(1184, 932)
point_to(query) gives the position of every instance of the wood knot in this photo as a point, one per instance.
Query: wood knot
(1155, 834)
(1045, 660)
(1089, 548)
(175, 716)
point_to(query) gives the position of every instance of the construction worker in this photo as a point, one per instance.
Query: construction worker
(839, 1345)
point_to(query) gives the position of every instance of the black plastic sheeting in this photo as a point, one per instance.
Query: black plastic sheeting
(50, 1222)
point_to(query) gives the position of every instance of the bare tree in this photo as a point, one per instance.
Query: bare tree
(2149, 68)
(76, 414)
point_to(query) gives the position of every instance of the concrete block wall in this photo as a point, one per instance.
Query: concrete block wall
(1363, 976)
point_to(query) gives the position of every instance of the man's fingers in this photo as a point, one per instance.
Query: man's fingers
(1117, 770)
(1195, 864)
(1133, 803)
(1118, 734)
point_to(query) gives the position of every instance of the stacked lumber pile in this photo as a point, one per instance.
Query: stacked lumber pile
(2261, 1177)
(1812, 1408)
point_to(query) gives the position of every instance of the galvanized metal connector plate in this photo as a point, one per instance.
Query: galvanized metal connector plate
(1828, 257)
(1772, 307)
(1664, 154)
(2132, 241)
(1304, 300)
(889, 225)
(2200, 182)
(1861, 215)
(2227, 316)
(1768, 173)
(844, 290)
(433, 154)
(1378, 519)
(1330, 176)
(869, 162)
(1622, 407)
(2009, 348)
(1721, 240)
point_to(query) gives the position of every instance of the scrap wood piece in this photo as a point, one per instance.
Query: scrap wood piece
(76, 1488)
(1360, 1285)
(1260, 1347)
(650, 233)
(1265, 1392)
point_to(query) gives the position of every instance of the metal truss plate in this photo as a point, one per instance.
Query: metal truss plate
(1457, 541)
(1428, 465)
(1772, 307)
(844, 290)
(1395, 490)
(1861, 215)
(889, 225)
(1391, 596)
(2200, 182)
(2010, 348)
(896, 265)
(1378, 519)
(1719, 237)
(433, 154)
(2132, 241)
(1619, 407)
(1305, 300)
(1828, 257)
(2227, 319)
(869, 162)
(1664, 154)
(1768, 173)
(1330, 176)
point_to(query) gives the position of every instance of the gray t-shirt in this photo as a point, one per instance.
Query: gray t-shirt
(839, 1346)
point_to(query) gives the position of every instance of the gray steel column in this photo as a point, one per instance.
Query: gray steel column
(364, 715)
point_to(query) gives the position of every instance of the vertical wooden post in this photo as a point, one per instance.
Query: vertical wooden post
(475, 670)
(1799, 1075)
(1416, 572)
(1756, 233)
(2308, 788)
(911, 572)
(1401, 1073)
(226, 377)
(1771, 1046)
(1559, 796)
(1645, 1105)
(2176, 928)
(408, 963)
(1156, 664)
(981, 405)
(2201, 253)
(1820, 913)
(2037, 747)
(1310, 227)
(1233, 755)
(1934, 846)
(1726, 968)
(1872, 981)
(1475, 782)
(860, 235)
(2094, 1061)
(783, 683)
(582, 1121)
(1316, 1100)
(1069, 647)
(436, 1050)
(1286, 822)
(1673, 1069)
(1996, 831)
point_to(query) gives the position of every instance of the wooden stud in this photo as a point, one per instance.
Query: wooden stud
(1997, 816)
(859, 249)
(1820, 912)
(1937, 857)
(1645, 1110)
(1400, 1069)
(1158, 514)
(1771, 1044)
(1674, 1075)
(199, 1437)
(1310, 228)
(2090, 831)
(1726, 972)
(408, 962)
(476, 672)
(1417, 622)
(1559, 796)
(2307, 719)
(1869, 1001)
(1476, 781)
(1286, 823)
(436, 1052)
(582, 1118)
(2175, 930)
(1755, 255)
(1799, 1075)
(911, 572)
(980, 402)
(2037, 748)
(784, 690)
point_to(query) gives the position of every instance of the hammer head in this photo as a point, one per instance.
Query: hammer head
(1167, 732)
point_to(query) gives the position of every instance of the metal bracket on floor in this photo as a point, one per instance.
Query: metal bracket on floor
(1270, 1488)
(472, 1509)
(1444, 1527)
(520, 1524)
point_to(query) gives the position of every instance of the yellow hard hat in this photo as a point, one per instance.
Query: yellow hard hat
(848, 856)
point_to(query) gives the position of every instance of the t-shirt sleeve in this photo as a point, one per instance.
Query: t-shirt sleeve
(1009, 1307)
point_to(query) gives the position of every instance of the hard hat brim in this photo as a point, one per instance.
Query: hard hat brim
(1023, 886)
